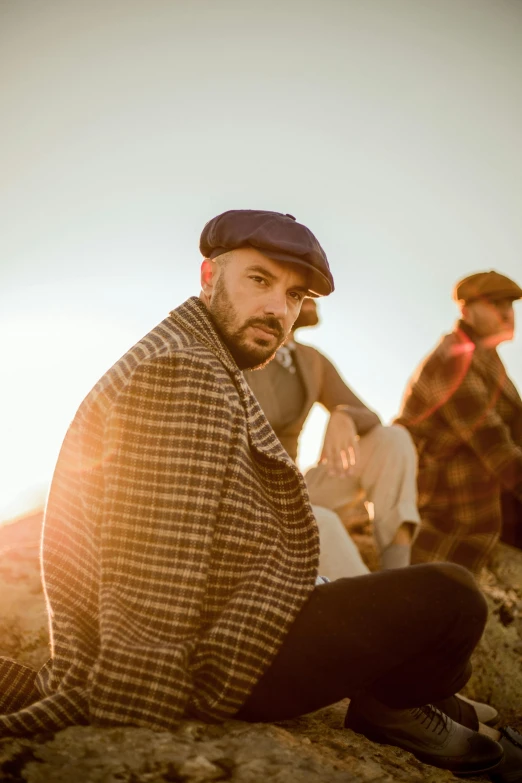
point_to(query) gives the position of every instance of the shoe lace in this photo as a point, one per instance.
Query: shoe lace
(431, 716)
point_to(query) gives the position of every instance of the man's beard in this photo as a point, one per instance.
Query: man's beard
(504, 334)
(224, 315)
(492, 334)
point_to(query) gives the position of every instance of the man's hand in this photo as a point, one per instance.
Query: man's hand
(341, 446)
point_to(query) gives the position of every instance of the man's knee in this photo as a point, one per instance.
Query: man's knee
(394, 437)
(394, 441)
(456, 587)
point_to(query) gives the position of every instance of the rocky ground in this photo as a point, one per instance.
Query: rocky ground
(313, 749)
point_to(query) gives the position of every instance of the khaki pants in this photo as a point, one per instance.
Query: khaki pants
(385, 474)
(338, 554)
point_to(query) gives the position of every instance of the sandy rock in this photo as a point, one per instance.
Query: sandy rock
(198, 753)
(497, 661)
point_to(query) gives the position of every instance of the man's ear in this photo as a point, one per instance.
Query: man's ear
(209, 274)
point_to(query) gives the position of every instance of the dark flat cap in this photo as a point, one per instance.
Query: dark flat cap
(277, 236)
(489, 285)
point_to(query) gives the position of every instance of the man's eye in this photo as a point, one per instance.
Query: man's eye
(258, 279)
(296, 295)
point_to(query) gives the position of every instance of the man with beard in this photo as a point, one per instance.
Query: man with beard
(180, 550)
(360, 458)
(465, 416)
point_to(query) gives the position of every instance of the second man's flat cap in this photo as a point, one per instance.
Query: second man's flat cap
(277, 236)
(488, 285)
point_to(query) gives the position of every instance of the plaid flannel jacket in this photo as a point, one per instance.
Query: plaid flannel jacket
(178, 544)
(465, 416)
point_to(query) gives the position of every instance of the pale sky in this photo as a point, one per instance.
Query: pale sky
(392, 128)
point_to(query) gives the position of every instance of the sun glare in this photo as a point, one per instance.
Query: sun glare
(50, 363)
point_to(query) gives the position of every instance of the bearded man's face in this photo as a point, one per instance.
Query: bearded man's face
(492, 319)
(254, 302)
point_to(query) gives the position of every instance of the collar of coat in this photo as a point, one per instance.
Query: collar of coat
(194, 317)
(485, 359)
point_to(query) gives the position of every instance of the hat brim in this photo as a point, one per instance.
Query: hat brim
(493, 295)
(319, 284)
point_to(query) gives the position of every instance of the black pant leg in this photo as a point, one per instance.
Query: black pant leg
(403, 635)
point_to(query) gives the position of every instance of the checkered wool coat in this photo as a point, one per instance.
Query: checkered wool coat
(465, 416)
(178, 544)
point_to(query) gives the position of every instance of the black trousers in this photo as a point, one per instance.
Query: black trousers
(404, 636)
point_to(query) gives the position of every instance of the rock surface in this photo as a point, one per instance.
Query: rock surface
(312, 749)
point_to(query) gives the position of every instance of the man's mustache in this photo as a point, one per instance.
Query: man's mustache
(269, 323)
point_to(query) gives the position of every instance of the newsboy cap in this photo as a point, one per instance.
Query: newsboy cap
(277, 236)
(489, 285)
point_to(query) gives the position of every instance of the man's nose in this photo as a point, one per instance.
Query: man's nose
(505, 309)
(276, 304)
